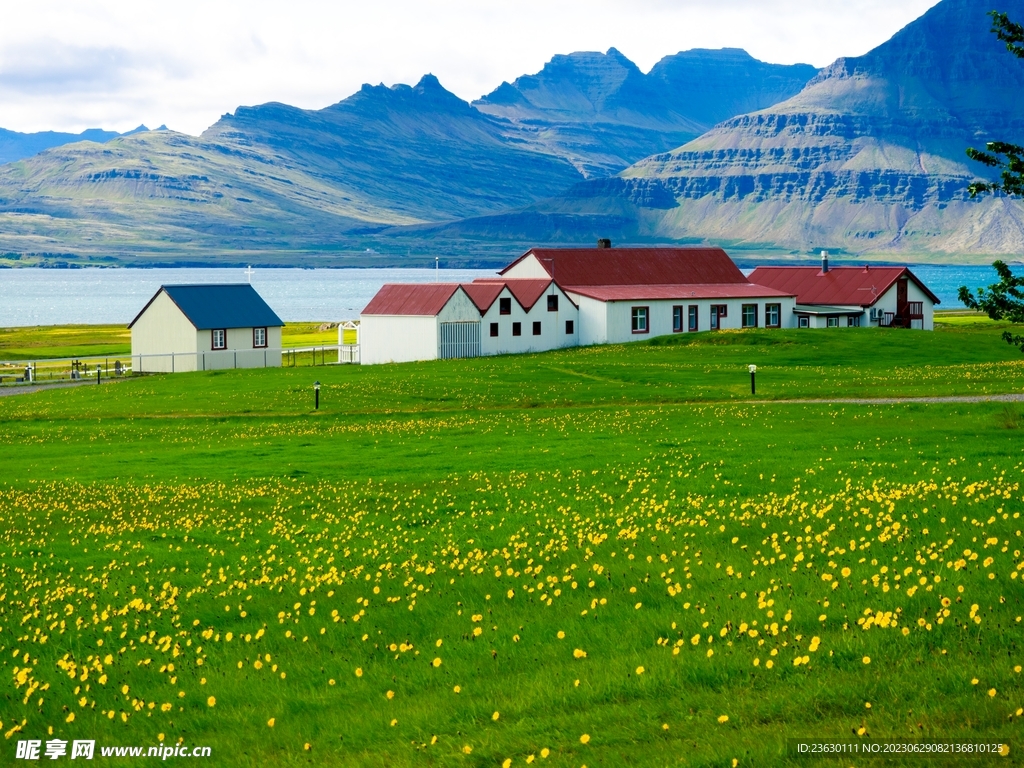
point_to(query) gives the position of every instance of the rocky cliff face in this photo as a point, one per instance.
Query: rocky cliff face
(869, 156)
(603, 113)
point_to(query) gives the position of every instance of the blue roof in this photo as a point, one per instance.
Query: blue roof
(219, 306)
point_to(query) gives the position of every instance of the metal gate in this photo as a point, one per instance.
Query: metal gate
(459, 340)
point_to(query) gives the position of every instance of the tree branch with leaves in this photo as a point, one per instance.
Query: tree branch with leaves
(1000, 154)
(1002, 301)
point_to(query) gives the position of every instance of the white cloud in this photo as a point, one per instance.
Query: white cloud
(75, 64)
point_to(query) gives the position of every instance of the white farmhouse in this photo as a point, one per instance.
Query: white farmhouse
(625, 294)
(407, 322)
(205, 327)
(840, 297)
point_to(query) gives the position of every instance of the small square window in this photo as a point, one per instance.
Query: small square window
(833, 322)
(517, 329)
(569, 327)
(804, 322)
(853, 321)
(536, 328)
(553, 303)
(504, 306)
(677, 319)
(639, 319)
(494, 329)
(219, 339)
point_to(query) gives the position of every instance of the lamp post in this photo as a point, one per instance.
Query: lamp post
(753, 371)
(316, 395)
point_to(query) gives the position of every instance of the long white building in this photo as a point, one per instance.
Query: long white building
(561, 297)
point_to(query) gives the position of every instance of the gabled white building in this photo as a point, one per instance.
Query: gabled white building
(841, 297)
(203, 327)
(625, 294)
(406, 322)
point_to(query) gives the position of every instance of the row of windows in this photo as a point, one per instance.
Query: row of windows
(517, 328)
(832, 321)
(505, 305)
(219, 338)
(640, 317)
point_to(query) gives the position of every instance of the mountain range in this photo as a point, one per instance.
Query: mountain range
(16, 146)
(865, 156)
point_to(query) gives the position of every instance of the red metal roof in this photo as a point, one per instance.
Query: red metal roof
(860, 286)
(410, 298)
(680, 292)
(636, 266)
(526, 290)
(483, 294)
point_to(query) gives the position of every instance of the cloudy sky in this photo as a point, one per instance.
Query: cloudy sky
(75, 64)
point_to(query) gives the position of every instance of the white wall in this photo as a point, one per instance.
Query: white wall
(552, 325)
(163, 330)
(529, 267)
(887, 303)
(619, 316)
(593, 325)
(397, 338)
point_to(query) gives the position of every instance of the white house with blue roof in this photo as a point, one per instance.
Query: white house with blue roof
(205, 327)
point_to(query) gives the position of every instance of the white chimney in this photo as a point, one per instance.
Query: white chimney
(824, 262)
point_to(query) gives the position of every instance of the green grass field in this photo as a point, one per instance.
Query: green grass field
(63, 341)
(602, 556)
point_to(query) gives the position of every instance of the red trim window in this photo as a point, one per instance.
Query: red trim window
(639, 319)
(219, 338)
(553, 302)
(517, 329)
(718, 311)
(748, 315)
(536, 328)
(772, 315)
(505, 306)
(569, 325)
(259, 338)
(677, 319)
(494, 329)
(692, 317)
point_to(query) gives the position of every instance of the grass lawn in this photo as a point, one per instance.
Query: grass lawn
(602, 556)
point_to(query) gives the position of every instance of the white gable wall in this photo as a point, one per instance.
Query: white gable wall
(240, 352)
(164, 332)
(529, 267)
(887, 303)
(552, 325)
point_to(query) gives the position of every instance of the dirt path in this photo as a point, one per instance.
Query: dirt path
(1011, 398)
(26, 389)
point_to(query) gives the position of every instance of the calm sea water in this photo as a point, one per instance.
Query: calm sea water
(63, 296)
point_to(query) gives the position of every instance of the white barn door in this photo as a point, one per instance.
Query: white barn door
(459, 340)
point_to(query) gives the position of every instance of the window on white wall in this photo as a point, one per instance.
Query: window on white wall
(219, 338)
(639, 319)
(259, 337)
(772, 315)
(677, 319)
(804, 322)
(692, 310)
(749, 315)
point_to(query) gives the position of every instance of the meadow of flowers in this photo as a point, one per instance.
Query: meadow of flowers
(551, 585)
